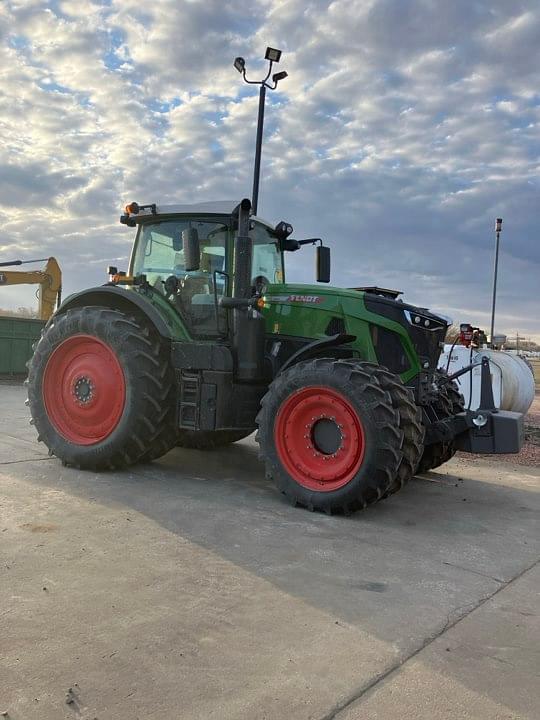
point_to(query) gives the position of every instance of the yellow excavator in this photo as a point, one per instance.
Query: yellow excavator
(49, 280)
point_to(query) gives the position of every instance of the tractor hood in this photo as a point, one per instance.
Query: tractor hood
(289, 310)
(377, 300)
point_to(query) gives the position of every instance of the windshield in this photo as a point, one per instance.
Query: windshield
(159, 251)
(267, 259)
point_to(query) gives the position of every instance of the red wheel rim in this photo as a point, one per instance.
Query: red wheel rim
(84, 390)
(319, 438)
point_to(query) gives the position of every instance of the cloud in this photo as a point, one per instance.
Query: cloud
(32, 185)
(400, 134)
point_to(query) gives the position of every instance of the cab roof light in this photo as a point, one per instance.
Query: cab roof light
(134, 208)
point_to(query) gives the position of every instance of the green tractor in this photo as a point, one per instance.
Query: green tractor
(203, 342)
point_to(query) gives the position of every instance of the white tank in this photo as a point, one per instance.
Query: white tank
(517, 387)
(511, 378)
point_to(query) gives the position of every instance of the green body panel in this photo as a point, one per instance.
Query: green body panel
(290, 309)
(306, 310)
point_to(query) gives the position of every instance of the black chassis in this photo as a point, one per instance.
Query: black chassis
(209, 397)
(209, 394)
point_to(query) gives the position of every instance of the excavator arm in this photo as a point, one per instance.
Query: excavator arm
(50, 285)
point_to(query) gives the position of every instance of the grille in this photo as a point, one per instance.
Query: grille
(389, 349)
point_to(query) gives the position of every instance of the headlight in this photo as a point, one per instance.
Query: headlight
(426, 322)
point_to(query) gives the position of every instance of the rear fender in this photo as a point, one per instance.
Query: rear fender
(116, 298)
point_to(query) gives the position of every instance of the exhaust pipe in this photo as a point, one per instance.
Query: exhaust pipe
(243, 251)
(248, 324)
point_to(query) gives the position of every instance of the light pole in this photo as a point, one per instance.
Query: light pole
(273, 56)
(498, 228)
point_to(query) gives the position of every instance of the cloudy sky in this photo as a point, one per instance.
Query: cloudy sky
(404, 129)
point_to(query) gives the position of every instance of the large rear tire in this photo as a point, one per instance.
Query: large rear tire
(330, 435)
(100, 388)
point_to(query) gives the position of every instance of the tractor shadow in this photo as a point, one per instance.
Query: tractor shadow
(440, 543)
(401, 570)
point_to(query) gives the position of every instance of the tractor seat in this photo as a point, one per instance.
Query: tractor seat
(202, 299)
(203, 313)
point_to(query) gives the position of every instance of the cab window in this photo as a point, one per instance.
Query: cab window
(267, 265)
(159, 255)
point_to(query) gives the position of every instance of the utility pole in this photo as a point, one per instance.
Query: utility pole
(258, 150)
(273, 56)
(498, 228)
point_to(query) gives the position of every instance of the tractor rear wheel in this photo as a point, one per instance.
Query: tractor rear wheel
(331, 435)
(450, 402)
(99, 388)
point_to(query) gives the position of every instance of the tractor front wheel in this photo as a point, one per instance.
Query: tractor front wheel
(99, 388)
(331, 435)
(450, 402)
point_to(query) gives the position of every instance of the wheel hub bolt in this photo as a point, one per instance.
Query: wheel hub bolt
(84, 390)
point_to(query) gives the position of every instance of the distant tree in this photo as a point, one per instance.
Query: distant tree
(523, 344)
(452, 334)
(24, 312)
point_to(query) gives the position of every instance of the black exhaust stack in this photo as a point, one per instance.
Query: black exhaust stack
(243, 251)
(248, 324)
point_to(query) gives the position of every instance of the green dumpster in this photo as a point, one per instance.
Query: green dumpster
(17, 335)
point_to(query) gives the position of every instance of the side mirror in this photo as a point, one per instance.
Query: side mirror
(322, 258)
(283, 230)
(192, 251)
(289, 245)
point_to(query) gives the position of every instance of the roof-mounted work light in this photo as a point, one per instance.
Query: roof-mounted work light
(240, 64)
(272, 54)
(279, 76)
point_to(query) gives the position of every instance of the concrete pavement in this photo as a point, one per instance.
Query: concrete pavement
(188, 589)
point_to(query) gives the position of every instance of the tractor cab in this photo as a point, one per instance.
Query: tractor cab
(186, 254)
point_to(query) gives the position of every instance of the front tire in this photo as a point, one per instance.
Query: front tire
(413, 430)
(450, 402)
(330, 435)
(100, 388)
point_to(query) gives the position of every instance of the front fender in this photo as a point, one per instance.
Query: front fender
(319, 348)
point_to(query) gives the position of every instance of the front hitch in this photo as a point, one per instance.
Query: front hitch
(488, 430)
